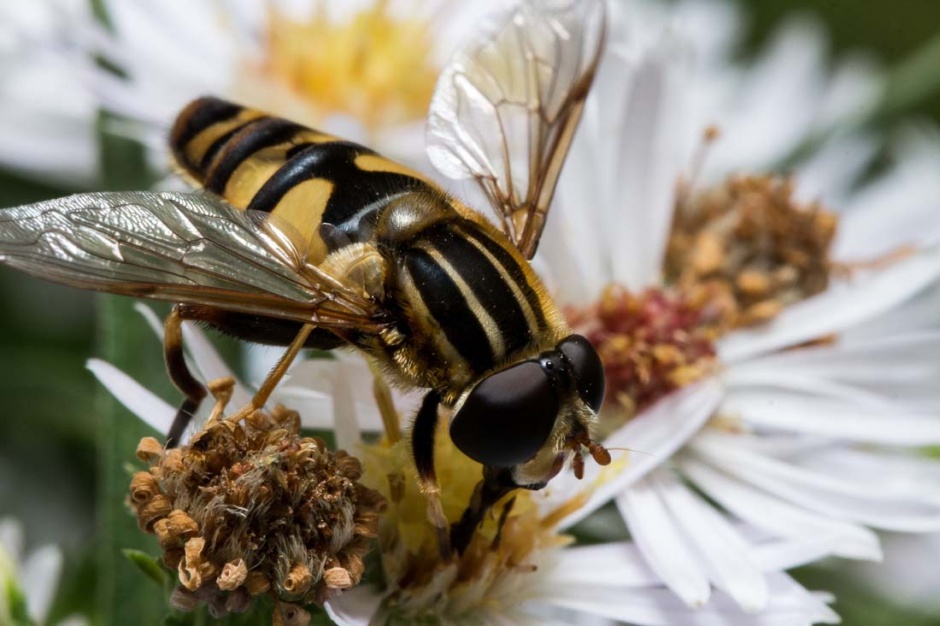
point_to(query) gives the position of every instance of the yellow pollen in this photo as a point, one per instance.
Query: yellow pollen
(374, 66)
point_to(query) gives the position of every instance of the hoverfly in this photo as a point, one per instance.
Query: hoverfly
(301, 239)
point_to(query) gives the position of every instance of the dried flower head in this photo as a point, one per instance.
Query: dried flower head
(490, 579)
(249, 507)
(750, 248)
(651, 343)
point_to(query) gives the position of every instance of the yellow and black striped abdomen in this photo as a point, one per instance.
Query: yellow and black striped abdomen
(263, 163)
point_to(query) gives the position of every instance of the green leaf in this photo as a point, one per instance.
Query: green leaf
(147, 564)
(16, 603)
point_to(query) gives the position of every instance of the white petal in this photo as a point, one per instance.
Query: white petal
(774, 109)
(649, 163)
(863, 360)
(315, 408)
(796, 413)
(319, 374)
(40, 579)
(608, 564)
(780, 555)
(841, 497)
(838, 309)
(828, 175)
(919, 314)
(11, 538)
(345, 422)
(750, 375)
(355, 607)
(909, 188)
(778, 516)
(791, 605)
(727, 556)
(139, 400)
(210, 364)
(662, 543)
(655, 434)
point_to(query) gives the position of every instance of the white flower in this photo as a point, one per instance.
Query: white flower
(363, 69)
(47, 117)
(610, 581)
(814, 444)
(32, 579)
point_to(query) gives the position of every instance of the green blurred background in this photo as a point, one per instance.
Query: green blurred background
(48, 456)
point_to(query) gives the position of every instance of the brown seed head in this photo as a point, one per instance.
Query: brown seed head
(750, 249)
(250, 507)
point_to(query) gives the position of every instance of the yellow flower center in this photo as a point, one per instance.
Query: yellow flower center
(491, 578)
(374, 66)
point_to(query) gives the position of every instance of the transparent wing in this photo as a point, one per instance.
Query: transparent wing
(181, 247)
(506, 108)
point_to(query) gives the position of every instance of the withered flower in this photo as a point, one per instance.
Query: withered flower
(749, 248)
(250, 507)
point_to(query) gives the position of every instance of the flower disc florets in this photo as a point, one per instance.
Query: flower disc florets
(748, 247)
(651, 343)
(250, 507)
(490, 580)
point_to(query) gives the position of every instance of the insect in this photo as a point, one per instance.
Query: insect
(300, 239)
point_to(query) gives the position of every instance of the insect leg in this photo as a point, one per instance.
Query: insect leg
(176, 367)
(276, 374)
(422, 447)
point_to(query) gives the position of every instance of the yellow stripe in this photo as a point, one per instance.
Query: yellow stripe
(253, 173)
(523, 302)
(493, 333)
(302, 207)
(376, 163)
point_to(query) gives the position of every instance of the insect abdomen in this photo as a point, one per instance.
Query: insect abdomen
(263, 163)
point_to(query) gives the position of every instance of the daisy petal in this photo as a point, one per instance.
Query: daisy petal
(835, 310)
(791, 606)
(315, 408)
(11, 537)
(841, 497)
(612, 564)
(355, 607)
(648, 159)
(778, 516)
(662, 543)
(789, 412)
(40, 578)
(862, 361)
(139, 400)
(209, 364)
(755, 376)
(726, 554)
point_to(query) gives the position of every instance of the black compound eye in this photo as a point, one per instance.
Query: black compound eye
(507, 417)
(587, 369)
